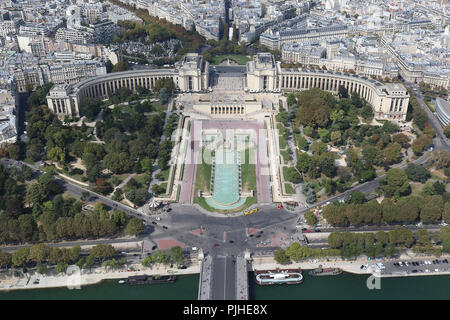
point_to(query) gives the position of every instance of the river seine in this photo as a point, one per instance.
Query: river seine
(345, 286)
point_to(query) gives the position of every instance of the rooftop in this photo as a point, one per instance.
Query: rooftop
(443, 105)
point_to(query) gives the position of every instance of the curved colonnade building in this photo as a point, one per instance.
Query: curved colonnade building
(389, 101)
(443, 111)
(263, 73)
(190, 75)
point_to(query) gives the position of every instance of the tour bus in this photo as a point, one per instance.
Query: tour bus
(250, 211)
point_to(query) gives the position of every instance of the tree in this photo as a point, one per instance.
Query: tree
(14, 151)
(296, 252)
(20, 257)
(281, 257)
(303, 162)
(390, 250)
(102, 252)
(318, 147)
(90, 260)
(409, 209)
(310, 218)
(439, 187)
(34, 152)
(357, 197)
(382, 237)
(121, 66)
(134, 227)
(42, 268)
(26, 227)
(291, 99)
(335, 215)
(421, 143)
(423, 237)
(292, 175)
(85, 195)
(147, 261)
(418, 173)
(90, 107)
(446, 245)
(367, 113)
(119, 217)
(308, 131)
(163, 95)
(35, 194)
(342, 92)
(160, 257)
(38, 253)
(327, 167)
(441, 159)
(74, 253)
(392, 153)
(335, 240)
(80, 263)
(61, 267)
(5, 259)
(401, 139)
(165, 83)
(156, 189)
(57, 154)
(336, 137)
(446, 213)
(432, 211)
(102, 186)
(390, 127)
(372, 155)
(447, 131)
(176, 254)
(397, 183)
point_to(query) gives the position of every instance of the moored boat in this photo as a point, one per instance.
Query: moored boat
(277, 276)
(144, 279)
(325, 271)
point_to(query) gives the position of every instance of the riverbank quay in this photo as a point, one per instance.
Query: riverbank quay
(377, 267)
(86, 277)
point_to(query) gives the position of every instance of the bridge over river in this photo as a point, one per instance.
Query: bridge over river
(223, 278)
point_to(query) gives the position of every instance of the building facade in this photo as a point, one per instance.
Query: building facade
(190, 75)
(263, 73)
(389, 101)
(443, 111)
(274, 41)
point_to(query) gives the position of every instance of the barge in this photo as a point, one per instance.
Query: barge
(318, 272)
(144, 279)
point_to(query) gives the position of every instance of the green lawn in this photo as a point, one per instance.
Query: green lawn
(248, 171)
(238, 58)
(285, 174)
(430, 106)
(164, 185)
(289, 188)
(163, 175)
(203, 177)
(286, 156)
(282, 131)
(142, 179)
(283, 143)
(158, 107)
